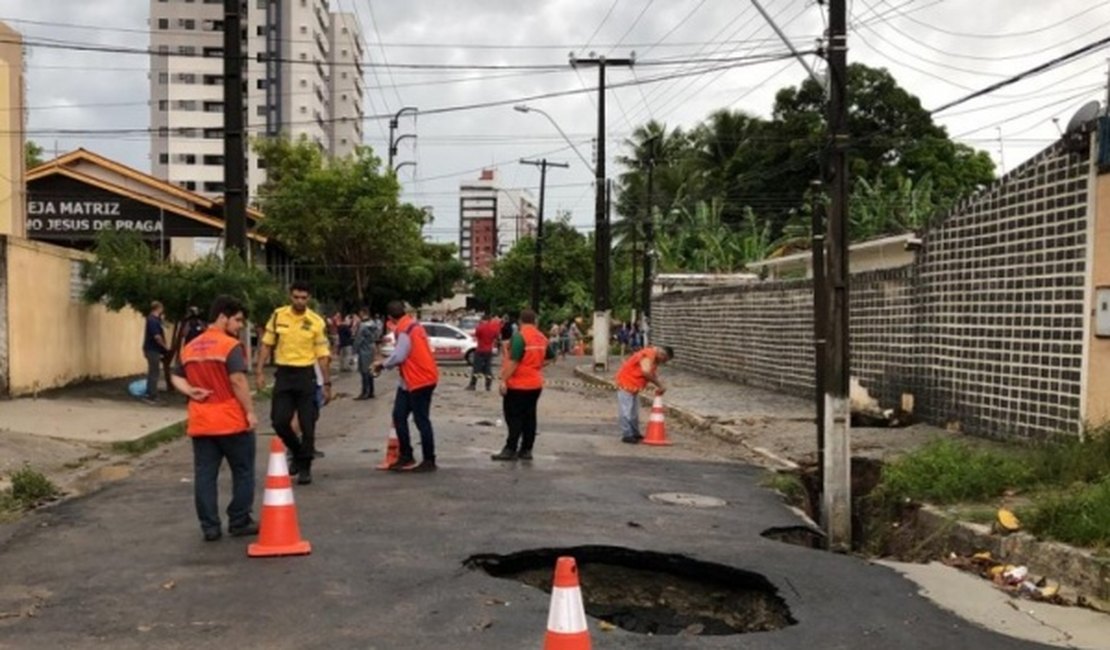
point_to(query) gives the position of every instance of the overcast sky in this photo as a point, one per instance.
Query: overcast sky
(938, 50)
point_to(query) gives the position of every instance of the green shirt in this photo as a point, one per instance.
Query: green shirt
(516, 349)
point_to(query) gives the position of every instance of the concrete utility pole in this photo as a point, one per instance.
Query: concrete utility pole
(537, 269)
(820, 323)
(837, 464)
(649, 245)
(235, 191)
(601, 222)
(393, 124)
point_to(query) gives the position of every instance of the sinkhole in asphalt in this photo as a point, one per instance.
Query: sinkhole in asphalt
(653, 593)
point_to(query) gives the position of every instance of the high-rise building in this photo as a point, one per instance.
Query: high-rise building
(294, 50)
(492, 219)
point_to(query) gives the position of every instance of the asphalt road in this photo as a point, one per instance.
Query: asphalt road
(126, 567)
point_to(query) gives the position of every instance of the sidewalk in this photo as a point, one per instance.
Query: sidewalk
(775, 425)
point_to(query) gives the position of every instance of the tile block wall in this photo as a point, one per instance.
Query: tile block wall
(985, 328)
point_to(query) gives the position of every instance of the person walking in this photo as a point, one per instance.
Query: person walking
(297, 336)
(521, 385)
(412, 356)
(212, 373)
(639, 370)
(486, 334)
(347, 328)
(154, 349)
(366, 347)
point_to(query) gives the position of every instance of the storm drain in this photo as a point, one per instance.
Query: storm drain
(653, 593)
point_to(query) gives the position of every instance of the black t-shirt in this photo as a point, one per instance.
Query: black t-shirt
(507, 331)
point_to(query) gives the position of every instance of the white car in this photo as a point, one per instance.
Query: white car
(449, 343)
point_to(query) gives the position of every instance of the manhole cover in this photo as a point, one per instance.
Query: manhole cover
(688, 499)
(653, 593)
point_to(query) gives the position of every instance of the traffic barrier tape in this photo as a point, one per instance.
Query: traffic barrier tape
(557, 383)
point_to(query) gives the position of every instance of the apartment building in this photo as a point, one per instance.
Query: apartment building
(492, 219)
(292, 56)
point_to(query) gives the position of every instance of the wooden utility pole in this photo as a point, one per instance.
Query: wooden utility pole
(601, 222)
(537, 269)
(837, 499)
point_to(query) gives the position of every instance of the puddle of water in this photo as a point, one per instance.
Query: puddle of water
(653, 593)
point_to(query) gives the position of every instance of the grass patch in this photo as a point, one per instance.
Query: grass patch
(30, 488)
(786, 483)
(151, 440)
(1078, 516)
(947, 471)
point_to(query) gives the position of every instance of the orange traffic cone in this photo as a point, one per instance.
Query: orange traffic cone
(392, 449)
(566, 620)
(279, 533)
(657, 428)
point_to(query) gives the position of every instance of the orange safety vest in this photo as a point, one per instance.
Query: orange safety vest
(630, 377)
(419, 370)
(205, 362)
(528, 374)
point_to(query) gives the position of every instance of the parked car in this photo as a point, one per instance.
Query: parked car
(469, 324)
(448, 342)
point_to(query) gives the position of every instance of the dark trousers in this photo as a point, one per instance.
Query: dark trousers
(208, 454)
(295, 392)
(520, 416)
(483, 367)
(153, 370)
(367, 384)
(418, 403)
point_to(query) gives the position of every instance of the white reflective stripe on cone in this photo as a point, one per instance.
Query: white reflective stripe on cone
(278, 497)
(277, 466)
(656, 417)
(567, 614)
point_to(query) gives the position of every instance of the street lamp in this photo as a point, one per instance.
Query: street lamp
(524, 108)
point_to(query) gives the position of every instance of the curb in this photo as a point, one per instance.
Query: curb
(1080, 570)
(150, 441)
(696, 421)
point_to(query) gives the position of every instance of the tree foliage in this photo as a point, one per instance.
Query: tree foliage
(567, 278)
(752, 175)
(32, 154)
(343, 219)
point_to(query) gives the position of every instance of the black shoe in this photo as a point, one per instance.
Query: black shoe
(631, 440)
(249, 528)
(370, 396)
(304, 477)
(470, 387)
(212, 535)
(504, 454)
(402, 465)
(294, 466)
(524, 455)
(638, 437)
(317, 454)
(360, 398)
(424, 467)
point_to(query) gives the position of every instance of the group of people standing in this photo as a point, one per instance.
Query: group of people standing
(355, 340)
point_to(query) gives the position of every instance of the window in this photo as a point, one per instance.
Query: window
(163, 23)
(189, 185)
(164, 158)
(342, 75)
(260, 84)
(186, 78)
(344, 30)
(213, 107)
(260, 31)
(213, 186)
(185, 158)
(304, 83)
(213, 80)
(343, 141)
(213, 52)
(213, 134)
(261, 111)
(343, 97)
(304, 109)
(304, 30)
(186, 23)
(163, 77)
(187, 50)
(163, 49)
(212, 25)
(304, 57)
(163, 105)
(185, 105)
(344, 52)
(261, 164)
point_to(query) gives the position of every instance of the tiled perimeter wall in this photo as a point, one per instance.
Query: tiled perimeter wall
(985, 328)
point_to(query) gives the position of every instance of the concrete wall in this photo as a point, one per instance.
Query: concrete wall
(988, 328)
(53, 337)
(12, 204)
(1097, 370)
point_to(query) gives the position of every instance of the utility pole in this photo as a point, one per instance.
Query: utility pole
(235, 191)
(537, 268)
(601, 222)
(820, 322)
(649, 248)
(393, 124)
(837, 464)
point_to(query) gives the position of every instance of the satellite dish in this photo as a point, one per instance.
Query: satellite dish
(1084, 116)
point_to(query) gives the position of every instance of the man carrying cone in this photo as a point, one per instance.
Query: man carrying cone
(212, 373)
(634, 375)
(521, 385)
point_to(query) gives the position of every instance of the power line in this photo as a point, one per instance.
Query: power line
(633, 25)
(385, 59)
(601, 24)
(1030, 32)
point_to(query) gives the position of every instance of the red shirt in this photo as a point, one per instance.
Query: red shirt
(487, 334)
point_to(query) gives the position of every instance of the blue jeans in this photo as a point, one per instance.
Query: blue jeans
(628, 414)
(418, 403)
(208, 454)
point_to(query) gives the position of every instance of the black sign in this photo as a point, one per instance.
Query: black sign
(59, 207)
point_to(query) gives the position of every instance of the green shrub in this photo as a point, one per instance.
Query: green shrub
(1078, 516)
(947, 471)
(31, 487)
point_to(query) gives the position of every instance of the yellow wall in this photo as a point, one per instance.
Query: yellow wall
(1098, 354)
(11, 133)
(55, 339)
